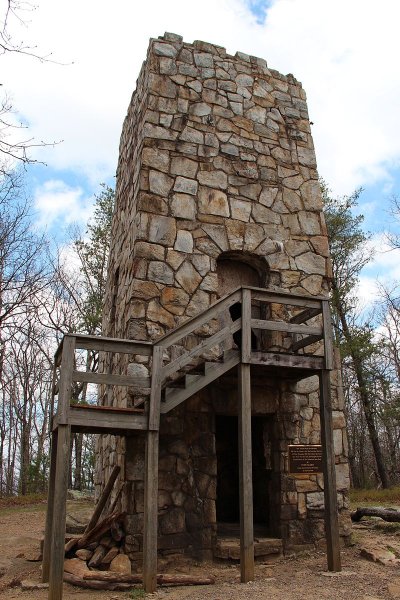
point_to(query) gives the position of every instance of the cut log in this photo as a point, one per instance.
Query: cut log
(387, 514)
(97, 557)
(166, 579)
(162, 578)
(76, 567)
(103, 499)
(111, 554)
(71, 544)
(100, 529)
(96, 585)
(113, 505)
(113, 576)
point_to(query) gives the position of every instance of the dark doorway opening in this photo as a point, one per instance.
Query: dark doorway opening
(227, 504)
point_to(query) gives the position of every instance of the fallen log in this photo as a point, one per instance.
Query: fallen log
(387, 514)
(166, 579)
(96, 585)
(162, 578)
(112, 576)
(100, 529)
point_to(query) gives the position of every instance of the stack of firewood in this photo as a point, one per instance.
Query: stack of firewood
(96, 559)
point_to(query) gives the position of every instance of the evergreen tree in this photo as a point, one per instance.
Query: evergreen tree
(350, 253)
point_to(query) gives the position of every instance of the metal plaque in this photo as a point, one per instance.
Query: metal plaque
(305, 459)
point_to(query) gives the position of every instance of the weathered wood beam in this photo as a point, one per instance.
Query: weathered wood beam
(195, 322)
(245, 476)
(105, 494)
(99, 421)
(328, 460)
(246, 326)
(328, 335)
(279, 359)
(48, 536)
(110, 379)
(106, 344)
(151, 477)
(277, 298)
(59, 513)
(99, 529)
(303, 343)
(287, 327)
(215, 370)
(213, 340)
(305, 315)
(65, 384)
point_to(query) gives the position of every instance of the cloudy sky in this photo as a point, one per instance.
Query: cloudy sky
(345, 53)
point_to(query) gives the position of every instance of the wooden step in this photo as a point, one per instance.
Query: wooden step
(213, 370)
(264, 548)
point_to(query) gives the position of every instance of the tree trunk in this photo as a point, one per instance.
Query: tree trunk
(364, 396)
(387, 514)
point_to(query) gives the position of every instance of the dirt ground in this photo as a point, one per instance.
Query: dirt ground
(292, 578)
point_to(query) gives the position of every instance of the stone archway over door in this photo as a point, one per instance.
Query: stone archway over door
(233, 273)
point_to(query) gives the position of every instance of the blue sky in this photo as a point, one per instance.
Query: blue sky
(344, 52)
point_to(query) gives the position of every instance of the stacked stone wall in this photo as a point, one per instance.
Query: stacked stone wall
(216, 159)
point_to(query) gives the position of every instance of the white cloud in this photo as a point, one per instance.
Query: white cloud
(383, 269)
(57, 203)
(346, 54)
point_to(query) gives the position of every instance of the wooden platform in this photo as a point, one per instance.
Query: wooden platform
(308, 322)
(104, 419)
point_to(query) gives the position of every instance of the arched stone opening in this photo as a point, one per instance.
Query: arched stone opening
(236, 268)
(239, 268)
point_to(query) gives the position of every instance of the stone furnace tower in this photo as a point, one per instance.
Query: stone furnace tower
(217, 188)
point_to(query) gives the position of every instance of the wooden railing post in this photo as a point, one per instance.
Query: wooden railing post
(65, 385)
(246, 325)
(328, 337)
(151, 477)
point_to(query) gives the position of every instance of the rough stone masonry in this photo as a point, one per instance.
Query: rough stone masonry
(216, 187)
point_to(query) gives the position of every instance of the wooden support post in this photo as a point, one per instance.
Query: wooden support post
(61, 470)
(328, 457)
(151, 477)
(246, 325)
(48, 536)
(59, 513)
(245, 476)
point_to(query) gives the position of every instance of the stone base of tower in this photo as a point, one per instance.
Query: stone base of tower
(198, 500)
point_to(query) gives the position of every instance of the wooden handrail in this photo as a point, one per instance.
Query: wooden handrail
(190, 325)
(311, 305)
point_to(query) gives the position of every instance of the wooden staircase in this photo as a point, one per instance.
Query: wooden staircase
(174, 380)
(193, 383)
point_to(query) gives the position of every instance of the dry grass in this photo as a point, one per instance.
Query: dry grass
(22, 501)
(374, 497)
